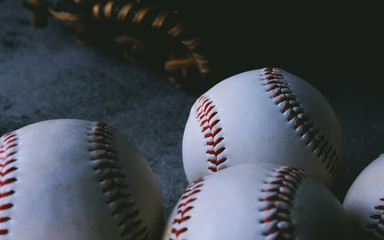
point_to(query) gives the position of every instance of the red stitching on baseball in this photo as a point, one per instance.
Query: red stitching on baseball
(205, 112)
(184, 207)
(374, 227)
(109, 172)
(282, 94)
(280, 192)
(7, 175)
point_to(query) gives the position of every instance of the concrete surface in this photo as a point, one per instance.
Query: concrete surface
(44, 74)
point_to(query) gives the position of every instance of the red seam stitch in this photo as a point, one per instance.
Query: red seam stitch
(281, 188)
(325, 151)
(8, 150)
(109, 171)
(204, 110)
(9, 137)
(184, 207)
(4, 219)
(2, 165)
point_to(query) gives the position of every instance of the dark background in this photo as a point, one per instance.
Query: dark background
(294, 34)
(334, 45)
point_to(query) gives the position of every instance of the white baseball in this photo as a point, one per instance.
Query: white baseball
(364, 201)
(258, 201)
(265, 115)
(76, 179)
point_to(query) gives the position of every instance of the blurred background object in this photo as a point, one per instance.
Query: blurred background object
(195, 44)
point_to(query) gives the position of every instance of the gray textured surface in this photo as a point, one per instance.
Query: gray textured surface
(44, 74)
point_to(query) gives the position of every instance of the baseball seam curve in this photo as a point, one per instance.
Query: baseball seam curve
(113, 182)
(8, 144)
(184, 207)
(280, 190)
(205, 112)
(281, 93)
(378, 218)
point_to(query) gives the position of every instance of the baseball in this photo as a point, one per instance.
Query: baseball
(76, 179)
(266, 115)
(364, 201)
(258, 201)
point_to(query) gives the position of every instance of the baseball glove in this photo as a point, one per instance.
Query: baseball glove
(145, 33)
